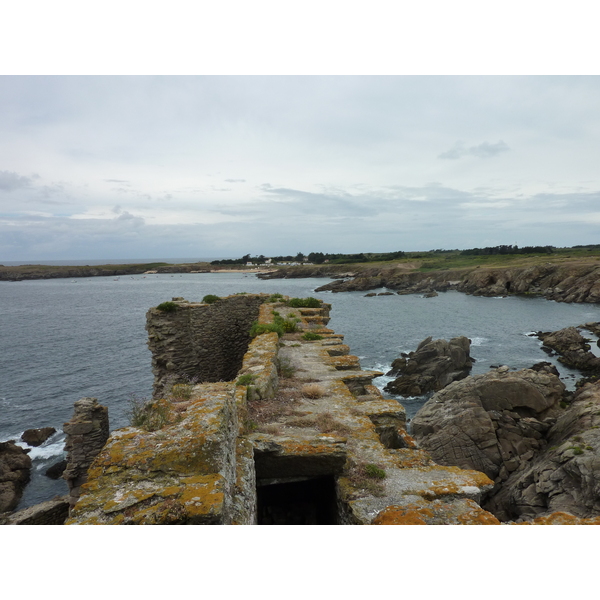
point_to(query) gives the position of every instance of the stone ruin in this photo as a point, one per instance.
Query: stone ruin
(270, 429)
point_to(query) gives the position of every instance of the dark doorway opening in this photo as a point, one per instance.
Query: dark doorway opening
(305, 502)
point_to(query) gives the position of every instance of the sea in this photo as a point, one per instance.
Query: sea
(65, 339)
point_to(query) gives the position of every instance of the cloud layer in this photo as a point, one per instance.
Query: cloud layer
(110, 167)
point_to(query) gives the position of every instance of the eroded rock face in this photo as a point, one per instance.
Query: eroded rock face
(566, 476)
(492, 423)
(87, 433)
(433, 365)
(15, 467)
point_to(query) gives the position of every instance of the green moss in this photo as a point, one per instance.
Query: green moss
(246, 379)
(374, 472)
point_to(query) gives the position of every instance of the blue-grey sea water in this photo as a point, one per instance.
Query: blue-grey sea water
(64, 339)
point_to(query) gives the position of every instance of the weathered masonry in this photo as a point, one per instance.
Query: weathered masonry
(267, 429)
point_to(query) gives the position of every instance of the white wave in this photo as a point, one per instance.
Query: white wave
(479, 341)
(52, 448)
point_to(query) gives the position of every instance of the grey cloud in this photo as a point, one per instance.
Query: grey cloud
(483, 150)
(334, 204)
(127, 216)
(123, 181)
(10, 181)
(235, 180)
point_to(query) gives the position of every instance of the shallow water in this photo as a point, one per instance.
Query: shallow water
(61, 340)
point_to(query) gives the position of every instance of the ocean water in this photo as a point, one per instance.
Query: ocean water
(64, 339)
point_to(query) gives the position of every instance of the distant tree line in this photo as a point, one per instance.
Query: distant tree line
(316, 258)
(508, 250)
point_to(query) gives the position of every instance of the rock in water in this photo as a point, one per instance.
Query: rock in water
(36, 437)
(15, 467)
(433, 365)
(573, 348)
(56, 470)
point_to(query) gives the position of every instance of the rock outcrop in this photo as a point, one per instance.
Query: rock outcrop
(51, 512)
(431, 367)
(15, 467)
(494, 422)
(573, 348)
(566, 476)
(36, 437)
(86, 432)
(545, 459)
(566, 282)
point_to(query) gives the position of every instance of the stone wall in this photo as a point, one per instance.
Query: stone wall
(200, 342)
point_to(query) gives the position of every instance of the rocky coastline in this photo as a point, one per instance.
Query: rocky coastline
(537, 441)
(562, 282)
(524, 449)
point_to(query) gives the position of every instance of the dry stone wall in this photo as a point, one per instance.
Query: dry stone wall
(200, 342)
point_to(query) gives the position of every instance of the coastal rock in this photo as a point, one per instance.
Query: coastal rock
(492, 423)
(87, 432)
(56, 470)
(545, 367)
(36, 437)
(433, 365)
(566, 476)
(51, 512)
(15, 467)
(567, 282)
(573, 348)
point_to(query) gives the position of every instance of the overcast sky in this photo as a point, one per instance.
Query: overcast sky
(205, 166)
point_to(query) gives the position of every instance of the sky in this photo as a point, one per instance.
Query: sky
(207, 166)
(223, 164)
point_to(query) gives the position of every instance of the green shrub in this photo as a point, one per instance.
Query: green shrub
(260, 328)
(304, 303)
(309, 336)
(246, 379)
(210, 299)
(289, 326)
(167, 307)
(273, 298)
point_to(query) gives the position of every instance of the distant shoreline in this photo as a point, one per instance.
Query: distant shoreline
(31, 272)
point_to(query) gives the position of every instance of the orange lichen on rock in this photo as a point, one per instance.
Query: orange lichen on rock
(561, 518)
(403, 515)
(463, 512)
